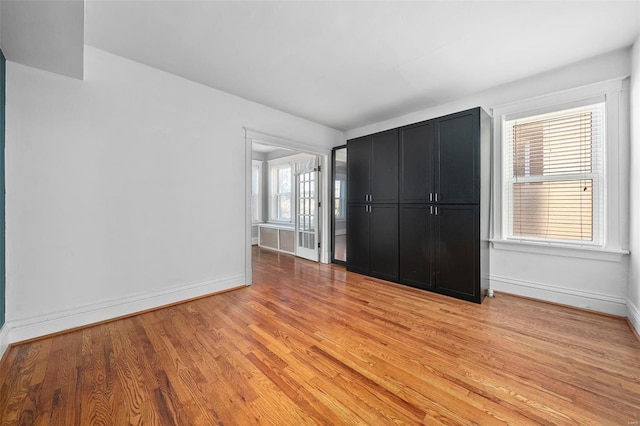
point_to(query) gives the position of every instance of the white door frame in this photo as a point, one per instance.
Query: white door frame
(311, 253)
(252, 135)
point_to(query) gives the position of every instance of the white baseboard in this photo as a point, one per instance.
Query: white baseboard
(633, 313)
(4, 339)
(566, 296)
(41, 325)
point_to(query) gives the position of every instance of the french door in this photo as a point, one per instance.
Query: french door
(307, 212)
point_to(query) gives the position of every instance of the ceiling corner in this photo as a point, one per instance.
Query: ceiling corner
(44, 34)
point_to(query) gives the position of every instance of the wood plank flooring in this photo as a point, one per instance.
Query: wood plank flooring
(314, 344)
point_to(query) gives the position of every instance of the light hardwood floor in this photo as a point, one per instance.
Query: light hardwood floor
(313, 344)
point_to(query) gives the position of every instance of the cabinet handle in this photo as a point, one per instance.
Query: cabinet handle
(431, 196)
(430, 209)
(436, 197)
(436, 211)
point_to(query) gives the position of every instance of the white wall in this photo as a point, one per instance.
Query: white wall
(125, 191)
(633, 302)
(599, 285)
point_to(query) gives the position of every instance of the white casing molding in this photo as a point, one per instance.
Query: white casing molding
(81, 316)
(633, 313)
(590, 300)
(252, 135)
(4, 339)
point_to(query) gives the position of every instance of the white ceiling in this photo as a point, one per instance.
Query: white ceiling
(44, 34)
(348, 64)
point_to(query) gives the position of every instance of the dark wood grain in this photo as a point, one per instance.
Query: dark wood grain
(314, 344)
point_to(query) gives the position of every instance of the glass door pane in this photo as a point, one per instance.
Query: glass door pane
(306, 231)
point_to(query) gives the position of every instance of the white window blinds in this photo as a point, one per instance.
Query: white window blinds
(554, 175)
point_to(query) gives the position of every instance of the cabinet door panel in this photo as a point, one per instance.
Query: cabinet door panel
(457, 168)
(358, 238)
(384, 241)
(384, 167)
(457, 251)
(416, 246)
(358, 169)
(416, 163)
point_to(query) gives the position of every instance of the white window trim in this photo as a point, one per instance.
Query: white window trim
(616, 220)
(599, 221)
(260, 194)
(273, 164)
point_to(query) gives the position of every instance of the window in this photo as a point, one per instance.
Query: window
(554, 176)
(281, 192)
(339, 196)
(256, 191)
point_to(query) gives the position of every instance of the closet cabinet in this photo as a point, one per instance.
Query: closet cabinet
(439, 160)
(372, 168)
(457, 174)
(439, 250)
(435, 232)
(372, 240)
(416, 245)
(417, 156)
(372, 209)
(457, 251)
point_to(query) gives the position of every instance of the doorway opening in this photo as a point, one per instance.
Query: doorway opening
(287, 198)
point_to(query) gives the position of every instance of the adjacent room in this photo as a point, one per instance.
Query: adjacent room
(285, 194)
(309, 212)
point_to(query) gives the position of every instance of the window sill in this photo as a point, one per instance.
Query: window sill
(581, 252)
(277, 225)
